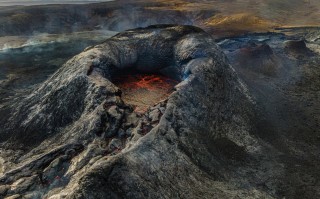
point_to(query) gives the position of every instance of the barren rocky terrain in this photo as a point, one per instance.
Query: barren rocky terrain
(232, 112)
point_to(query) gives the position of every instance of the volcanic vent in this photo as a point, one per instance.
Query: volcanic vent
(79, 136)
(144, 90)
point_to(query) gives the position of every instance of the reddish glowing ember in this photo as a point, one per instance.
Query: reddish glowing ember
(143, 91)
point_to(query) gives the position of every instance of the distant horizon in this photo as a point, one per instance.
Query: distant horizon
(46, 2)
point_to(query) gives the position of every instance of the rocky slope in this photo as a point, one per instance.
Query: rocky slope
(282, 72)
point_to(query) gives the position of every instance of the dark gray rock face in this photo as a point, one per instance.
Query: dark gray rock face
(297, 48)
(288, 103)
(78, 139)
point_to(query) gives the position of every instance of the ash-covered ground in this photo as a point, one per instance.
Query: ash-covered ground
(245, 130)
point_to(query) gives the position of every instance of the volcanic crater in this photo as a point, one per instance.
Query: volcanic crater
(144, 90)
(110, 113)
(155, 112)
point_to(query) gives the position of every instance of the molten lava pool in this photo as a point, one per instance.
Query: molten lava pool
(144, 90)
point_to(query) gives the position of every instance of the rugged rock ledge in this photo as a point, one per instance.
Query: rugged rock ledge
(74, 137)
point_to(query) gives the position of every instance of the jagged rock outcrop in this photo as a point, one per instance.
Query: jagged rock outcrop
(78, 139)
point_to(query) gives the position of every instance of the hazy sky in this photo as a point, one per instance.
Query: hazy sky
(41, 2)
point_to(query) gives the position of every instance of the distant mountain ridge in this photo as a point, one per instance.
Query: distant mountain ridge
(45, 2)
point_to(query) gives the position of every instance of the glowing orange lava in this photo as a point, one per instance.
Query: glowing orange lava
(144, 90)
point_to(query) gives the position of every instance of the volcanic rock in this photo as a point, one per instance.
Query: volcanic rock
(258, 58)
(198, 143)
(297, 48)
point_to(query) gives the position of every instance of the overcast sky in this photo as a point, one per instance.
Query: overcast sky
(41, 2)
